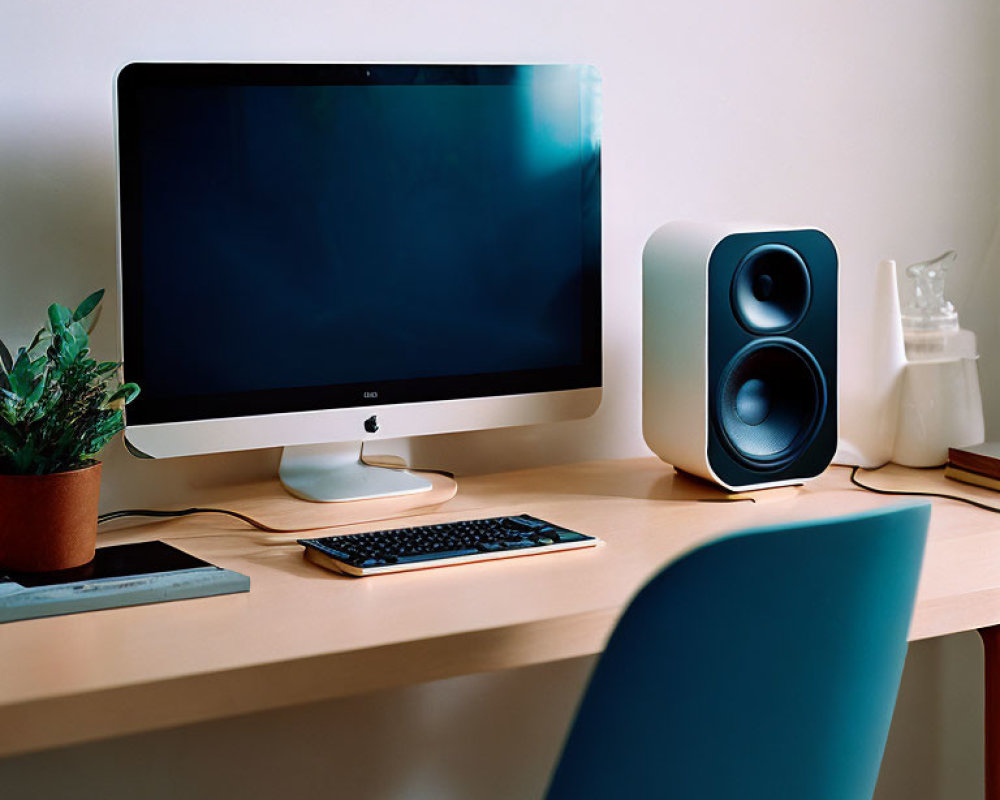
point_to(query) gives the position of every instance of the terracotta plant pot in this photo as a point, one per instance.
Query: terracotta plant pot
(49, 522)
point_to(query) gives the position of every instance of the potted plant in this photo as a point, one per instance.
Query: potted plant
(58, 409)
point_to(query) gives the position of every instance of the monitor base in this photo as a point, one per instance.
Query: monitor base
(332, 473)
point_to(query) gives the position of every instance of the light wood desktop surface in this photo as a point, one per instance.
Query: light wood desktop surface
(304, 634)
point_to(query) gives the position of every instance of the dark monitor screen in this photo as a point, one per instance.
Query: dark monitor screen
(297, 237)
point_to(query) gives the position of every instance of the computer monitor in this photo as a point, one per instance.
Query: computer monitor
(315, 255)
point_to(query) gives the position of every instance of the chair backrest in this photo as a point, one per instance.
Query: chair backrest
(761, 665)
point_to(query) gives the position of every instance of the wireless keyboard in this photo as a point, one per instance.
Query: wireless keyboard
(442, 545)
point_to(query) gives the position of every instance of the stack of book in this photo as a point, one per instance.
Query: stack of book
(978, 465)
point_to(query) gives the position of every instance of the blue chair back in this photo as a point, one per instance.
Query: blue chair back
(761, 666)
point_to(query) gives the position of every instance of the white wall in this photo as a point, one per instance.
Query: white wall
(877, 121)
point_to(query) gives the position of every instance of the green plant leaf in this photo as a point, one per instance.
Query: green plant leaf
(8, 441)
(90, 321)
(24, 458)
(127, 392)
(59, 316)
(6, 359)
(76, 334)
(40, 343)
(36, 366)
(88, 305)
(36, 394)
(20, 377)
(71, 345)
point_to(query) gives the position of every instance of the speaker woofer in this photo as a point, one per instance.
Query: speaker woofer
(771, 290)
(771, 400)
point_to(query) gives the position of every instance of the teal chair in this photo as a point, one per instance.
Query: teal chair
(761, 666)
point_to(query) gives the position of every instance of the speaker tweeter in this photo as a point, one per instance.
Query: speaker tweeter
(771, 289)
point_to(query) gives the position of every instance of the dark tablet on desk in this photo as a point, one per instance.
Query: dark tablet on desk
(119, 575)
(117, 561)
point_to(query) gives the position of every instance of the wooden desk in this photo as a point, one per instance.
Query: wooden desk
(303, 634)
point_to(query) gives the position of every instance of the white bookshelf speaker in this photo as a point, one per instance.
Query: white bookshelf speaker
(739, 381)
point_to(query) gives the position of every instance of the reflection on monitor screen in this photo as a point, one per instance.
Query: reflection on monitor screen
(308, 248)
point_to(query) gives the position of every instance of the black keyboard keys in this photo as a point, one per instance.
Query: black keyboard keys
(446, 543)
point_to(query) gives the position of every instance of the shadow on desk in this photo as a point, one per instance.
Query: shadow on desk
(637, 479)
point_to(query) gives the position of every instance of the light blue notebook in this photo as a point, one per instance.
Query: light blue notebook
(120, 575)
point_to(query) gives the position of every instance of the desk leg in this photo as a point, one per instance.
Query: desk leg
(991, 715)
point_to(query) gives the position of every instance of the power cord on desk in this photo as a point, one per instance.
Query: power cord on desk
(255, 523)
(187, 512)
(941, 495)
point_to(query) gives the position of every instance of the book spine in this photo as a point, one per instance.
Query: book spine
(974, 462)
(971, 478)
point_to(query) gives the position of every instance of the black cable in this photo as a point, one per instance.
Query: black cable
(261, 526)
(941, 495)
(187, 512)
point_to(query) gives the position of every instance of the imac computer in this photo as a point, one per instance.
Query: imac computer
(313, 256)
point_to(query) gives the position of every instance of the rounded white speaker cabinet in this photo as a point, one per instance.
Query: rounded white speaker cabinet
(740, 352)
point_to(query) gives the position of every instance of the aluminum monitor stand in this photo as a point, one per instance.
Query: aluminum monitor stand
(330, 473)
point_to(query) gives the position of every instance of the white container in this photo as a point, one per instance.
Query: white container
(941, 403)
(941, 406)
(869, 414)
